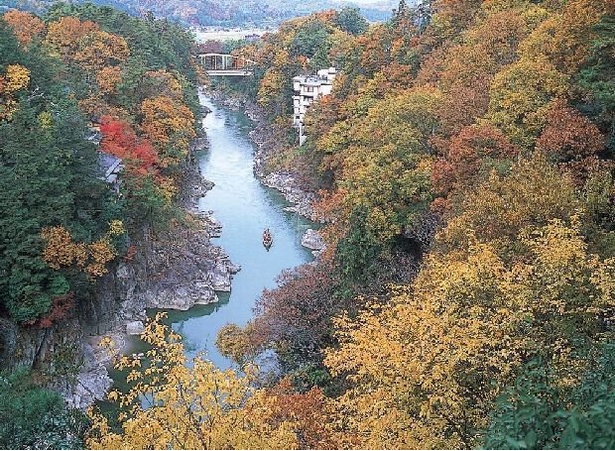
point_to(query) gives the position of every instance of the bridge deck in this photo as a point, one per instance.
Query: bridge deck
(229, 73)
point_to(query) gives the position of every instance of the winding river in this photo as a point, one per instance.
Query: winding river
(245, 208)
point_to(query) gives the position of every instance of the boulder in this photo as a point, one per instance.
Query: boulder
(312, 240)
(182, 297)
(287, 183)
(134, 328)
(221, 275)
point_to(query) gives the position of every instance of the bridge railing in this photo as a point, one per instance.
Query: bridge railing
(221, 62)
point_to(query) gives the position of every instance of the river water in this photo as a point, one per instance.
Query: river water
(245, 208)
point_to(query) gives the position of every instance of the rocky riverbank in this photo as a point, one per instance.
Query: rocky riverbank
(268, 141)
(173, 269)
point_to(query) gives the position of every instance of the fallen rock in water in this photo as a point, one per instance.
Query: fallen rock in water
(313, 241)
(135, 327)
(222, 273)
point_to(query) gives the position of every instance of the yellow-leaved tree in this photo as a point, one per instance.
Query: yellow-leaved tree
(424, 370)
(175, 405)
(168, 124)
(15, 78)
(62, 251)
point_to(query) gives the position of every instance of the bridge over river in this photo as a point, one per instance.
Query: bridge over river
(225, 65)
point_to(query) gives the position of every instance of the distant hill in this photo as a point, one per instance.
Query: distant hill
(231, 13)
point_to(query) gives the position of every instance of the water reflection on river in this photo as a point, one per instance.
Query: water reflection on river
(245, 208)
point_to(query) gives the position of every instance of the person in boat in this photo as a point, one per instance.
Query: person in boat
(267, 240)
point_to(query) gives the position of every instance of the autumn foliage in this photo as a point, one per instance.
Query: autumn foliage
(25, 26)
(465, 167)
(190, 407)
(568, 135)
(15, 78)
(61, 308)
(61, 251)
(476, 136)
(120, 140)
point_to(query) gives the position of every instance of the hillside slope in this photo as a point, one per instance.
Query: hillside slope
(231, 13)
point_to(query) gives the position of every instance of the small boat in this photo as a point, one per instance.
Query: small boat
(267, 239)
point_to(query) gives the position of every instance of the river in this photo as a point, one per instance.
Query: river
(245, 207)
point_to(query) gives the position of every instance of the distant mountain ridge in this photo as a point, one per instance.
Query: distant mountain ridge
(231, 13)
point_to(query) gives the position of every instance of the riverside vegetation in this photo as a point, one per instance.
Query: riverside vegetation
(464, 172)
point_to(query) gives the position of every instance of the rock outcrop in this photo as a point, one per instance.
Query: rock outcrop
(287, 183)
(313, 241)
(92, 382)
(174, 269)
(134, 328)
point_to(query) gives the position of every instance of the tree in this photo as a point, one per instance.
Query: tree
(423, 368)
(462, 106)
(108, 79)
(502, 205)
(28, 203)
(16, 78)
(294, 319)
(391, 139)
(469, 156)
(418, 368)
(34, 418)
(237, 344)
(451, 17)
(60, 250)
(171, 404)
(568, 135)
(119, 139)
(25, 26)
(46, 161)
(65, 35)
(500, 33)
(99, 49)
(351, 21)
(597, 76)
(169, 126)
(309, 410)
(520, 98)
(538, 413)
(576, 32)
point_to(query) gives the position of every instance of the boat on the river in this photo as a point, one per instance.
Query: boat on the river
(267, 239)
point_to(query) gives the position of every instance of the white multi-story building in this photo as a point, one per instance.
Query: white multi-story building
(307, 89)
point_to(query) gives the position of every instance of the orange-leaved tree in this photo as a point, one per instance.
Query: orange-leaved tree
(25, 26)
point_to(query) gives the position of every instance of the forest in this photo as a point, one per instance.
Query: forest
(76, 81)
(464, 169)
(222, 13)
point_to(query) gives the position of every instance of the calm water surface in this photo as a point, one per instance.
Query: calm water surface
(245, 208)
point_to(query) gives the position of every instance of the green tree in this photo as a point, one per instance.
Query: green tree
(538, 412)
(351, 21)
(48, 177)
(34, 418)
(597, 77)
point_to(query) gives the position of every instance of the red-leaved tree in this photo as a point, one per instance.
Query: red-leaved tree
(120, 140)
